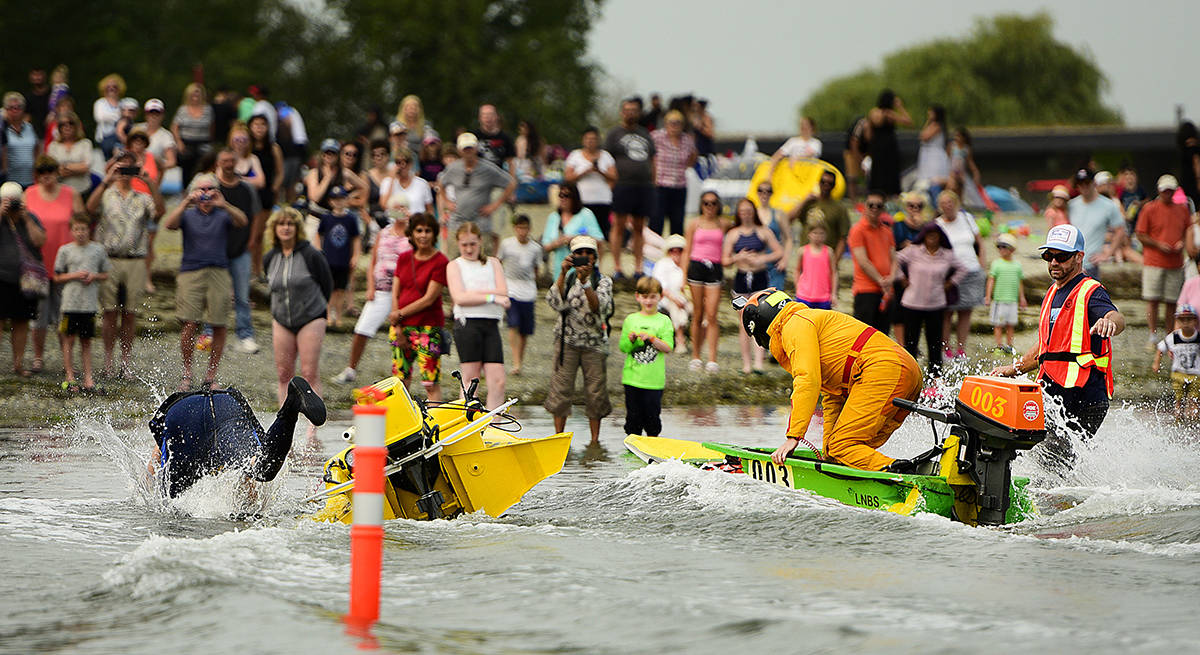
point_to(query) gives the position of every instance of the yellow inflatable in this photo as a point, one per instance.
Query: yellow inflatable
(794, 180)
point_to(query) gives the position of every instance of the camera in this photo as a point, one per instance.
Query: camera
(580, 260)
(129, 170)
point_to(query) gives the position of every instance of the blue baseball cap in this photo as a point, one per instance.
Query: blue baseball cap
(1065, 238)
(338, 192)
(330, 145)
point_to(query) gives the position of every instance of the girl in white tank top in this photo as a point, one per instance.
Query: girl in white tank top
(480, 296)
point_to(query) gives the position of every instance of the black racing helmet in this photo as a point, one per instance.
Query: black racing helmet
(758, 310)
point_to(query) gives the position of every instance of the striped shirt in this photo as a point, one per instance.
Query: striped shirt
(670, 159)
(22, 144)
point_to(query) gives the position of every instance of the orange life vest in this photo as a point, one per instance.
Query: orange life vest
(1065, 353)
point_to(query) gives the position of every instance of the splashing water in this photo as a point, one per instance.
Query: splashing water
(227, 493)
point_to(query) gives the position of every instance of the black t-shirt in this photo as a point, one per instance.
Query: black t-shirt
(633, 150)
(1099, 305)
(242, 196)
(38, 105)
(223, 114)
(497, 148)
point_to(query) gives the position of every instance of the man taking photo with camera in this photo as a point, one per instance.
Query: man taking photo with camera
(583, 298)
(204, 288)
(125, 217)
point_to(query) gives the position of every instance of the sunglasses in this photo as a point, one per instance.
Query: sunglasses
(45, 170)
(916, 205)
(765, 190)
(875, 205)
(1060, 257)
(349, 153)
(565, 194)
(710, 203)
(467, 179)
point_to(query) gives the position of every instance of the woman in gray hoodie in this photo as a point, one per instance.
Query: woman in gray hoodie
(300, 284)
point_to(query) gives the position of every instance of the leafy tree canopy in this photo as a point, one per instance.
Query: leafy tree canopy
(524, 56)
(1009, 71)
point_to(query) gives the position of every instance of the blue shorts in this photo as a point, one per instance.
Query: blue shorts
(817, 305)
(520, 316)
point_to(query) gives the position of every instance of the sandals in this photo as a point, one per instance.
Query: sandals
(22, 372)
(38, 365)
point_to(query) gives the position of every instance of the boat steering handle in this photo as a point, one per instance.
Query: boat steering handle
(928, 412)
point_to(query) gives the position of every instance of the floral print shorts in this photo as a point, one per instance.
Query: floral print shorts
(418, 347)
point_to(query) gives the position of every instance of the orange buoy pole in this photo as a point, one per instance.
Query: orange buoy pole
(366, 535)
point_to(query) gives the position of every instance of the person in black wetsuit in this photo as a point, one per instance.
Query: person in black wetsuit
(203, 432)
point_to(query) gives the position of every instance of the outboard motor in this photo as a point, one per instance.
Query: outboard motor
(994, 419)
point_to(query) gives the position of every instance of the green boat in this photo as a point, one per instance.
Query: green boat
(967, 477)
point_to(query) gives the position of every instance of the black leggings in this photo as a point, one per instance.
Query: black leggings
(931, 320)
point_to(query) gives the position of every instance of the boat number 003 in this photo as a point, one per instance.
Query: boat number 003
(770, 472)
(988, 403)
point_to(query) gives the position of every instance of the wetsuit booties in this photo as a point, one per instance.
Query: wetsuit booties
(302, 399)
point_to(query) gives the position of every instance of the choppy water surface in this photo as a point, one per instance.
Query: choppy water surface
(606, 557)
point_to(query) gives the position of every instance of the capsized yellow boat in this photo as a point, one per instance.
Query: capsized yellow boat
(444, 459)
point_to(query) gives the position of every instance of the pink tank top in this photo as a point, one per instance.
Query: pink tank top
(55, 216)
(706, 245)
(814, 282)
(390, 249)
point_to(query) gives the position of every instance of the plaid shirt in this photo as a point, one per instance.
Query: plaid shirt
(671, 160)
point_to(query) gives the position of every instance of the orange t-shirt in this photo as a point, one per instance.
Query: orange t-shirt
(880, 244)
(1164, 223)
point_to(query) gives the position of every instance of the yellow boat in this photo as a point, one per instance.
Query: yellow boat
(444, 459)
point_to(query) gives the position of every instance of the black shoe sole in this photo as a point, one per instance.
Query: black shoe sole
(308, 402)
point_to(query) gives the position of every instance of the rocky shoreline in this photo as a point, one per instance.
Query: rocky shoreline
(38, 402)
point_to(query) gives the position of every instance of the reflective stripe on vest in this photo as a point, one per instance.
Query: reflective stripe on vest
(1079, 329)
(1065, 363)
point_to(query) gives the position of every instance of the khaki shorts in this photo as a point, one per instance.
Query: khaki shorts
(125, 288)
(594, 365)
(1161, 283)
(1185, 386)
(204, 295)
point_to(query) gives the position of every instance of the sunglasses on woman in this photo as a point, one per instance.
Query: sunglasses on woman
(875, 205)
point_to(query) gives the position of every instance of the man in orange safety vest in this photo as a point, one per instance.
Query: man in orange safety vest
(1073, 353)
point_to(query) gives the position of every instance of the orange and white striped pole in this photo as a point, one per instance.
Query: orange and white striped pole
(366, 535)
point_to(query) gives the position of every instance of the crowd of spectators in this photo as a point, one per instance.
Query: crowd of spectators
(426, 214)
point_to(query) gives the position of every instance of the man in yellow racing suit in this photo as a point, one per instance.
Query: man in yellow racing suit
(857, 368)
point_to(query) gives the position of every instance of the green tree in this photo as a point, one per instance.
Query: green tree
(524, 56)
(1009, 71)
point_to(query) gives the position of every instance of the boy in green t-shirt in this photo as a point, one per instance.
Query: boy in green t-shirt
(1005, 291)
(645, 336)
